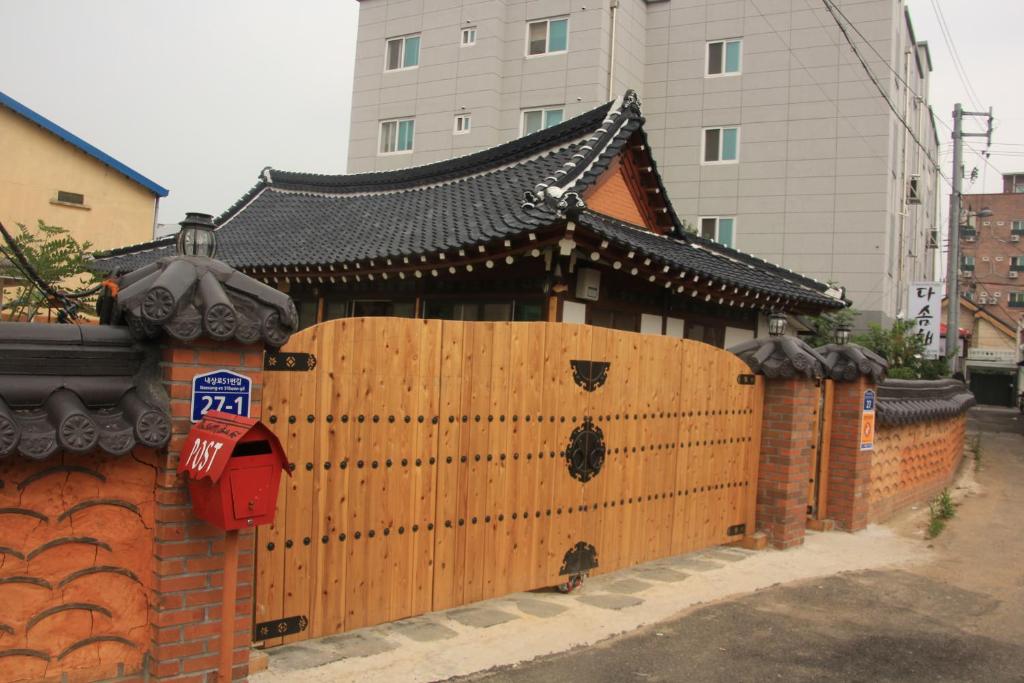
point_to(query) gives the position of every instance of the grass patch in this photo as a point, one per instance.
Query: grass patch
(974, 448)
(942, 510)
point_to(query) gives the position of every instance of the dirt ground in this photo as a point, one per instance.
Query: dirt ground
(959, 616)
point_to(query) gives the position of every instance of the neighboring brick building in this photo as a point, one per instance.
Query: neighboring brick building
(991, 279)
(992, 251)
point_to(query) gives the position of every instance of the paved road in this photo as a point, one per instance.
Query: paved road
(957, 618)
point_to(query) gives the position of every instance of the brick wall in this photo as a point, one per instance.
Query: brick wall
(788, 442)
(613, 198)
(76, 566)
(849, 467)
(913, 463)
(189, 553)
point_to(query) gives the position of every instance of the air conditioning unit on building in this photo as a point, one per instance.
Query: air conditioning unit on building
(997, 294)
(999, 259)
(913, 195)
(588, 284)
(984, 259)
(1015, 238)
(969, 238)
(1013, 274)
(982, 299)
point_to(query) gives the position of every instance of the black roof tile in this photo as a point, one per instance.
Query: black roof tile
(322, 221)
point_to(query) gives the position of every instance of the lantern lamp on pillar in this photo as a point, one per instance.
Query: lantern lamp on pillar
(196, 236)
(777, 324)
(842, 335)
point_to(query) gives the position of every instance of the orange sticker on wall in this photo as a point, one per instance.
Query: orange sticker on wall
(867, 422)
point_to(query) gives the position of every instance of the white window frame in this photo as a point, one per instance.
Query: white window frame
(547, 37)
(719, 161)
(543, 112)
(401, 55)
(468, 127)
(717, 219)
(462, 37)
(380, 136)
(707, 58)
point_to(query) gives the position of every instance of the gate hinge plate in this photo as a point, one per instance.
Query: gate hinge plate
(279, 361)
(280, 627)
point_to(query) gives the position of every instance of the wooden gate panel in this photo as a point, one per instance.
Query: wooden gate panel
(432, 469)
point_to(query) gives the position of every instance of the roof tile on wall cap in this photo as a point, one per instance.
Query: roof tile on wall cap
(847, 362)
(70, 388)
(189, 296)
(781, 357)
(908, 401)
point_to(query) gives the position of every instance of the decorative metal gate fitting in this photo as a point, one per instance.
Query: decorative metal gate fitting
(586, 451)
(589, 374)
(579, 559)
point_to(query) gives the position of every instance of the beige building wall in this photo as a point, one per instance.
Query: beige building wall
(37, 164)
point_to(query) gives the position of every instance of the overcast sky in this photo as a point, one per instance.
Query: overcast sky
(199, 95)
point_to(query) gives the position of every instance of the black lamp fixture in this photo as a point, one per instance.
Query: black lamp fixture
(842, 335)
(777, 324)
(196, 236)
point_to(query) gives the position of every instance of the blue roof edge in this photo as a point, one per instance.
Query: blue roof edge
(72, 139)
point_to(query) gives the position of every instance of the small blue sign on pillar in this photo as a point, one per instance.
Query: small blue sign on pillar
(223, 390)
(869, 400)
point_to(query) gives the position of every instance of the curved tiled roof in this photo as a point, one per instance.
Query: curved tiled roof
(847, 362)
(781, 357)
(189, 296)
(905, 401)
(74, 388)
(324, 222)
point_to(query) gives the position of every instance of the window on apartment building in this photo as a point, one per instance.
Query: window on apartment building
(1016, 300)
(403, 53)
(724, 57)
(721, 145)
(1017, 228)
(396, 136)
(719, 229)
(547, 36)
(469, 36)
(65, 197)
(539, 119)
(1017, 263)
(967, 262)
(462, 123)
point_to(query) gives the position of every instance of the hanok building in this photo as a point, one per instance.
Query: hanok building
(571, 223)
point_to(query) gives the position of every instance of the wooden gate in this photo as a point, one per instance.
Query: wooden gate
(440, 463)
(817, 482)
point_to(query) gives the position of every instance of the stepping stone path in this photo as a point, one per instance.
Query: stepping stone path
(615, 602)
(480, 617)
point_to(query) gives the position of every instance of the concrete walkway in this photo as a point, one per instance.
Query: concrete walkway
(523, 626)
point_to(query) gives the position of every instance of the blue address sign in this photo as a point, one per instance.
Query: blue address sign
(223, 390)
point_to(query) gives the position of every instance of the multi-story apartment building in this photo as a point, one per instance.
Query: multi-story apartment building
(770, 133)
(992, 251)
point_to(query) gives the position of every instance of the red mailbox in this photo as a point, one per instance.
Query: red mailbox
(234, 468)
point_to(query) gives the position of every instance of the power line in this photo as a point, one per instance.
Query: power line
(881, 91)
(958, 65)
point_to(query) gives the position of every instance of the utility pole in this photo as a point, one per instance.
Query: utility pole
(953, 263)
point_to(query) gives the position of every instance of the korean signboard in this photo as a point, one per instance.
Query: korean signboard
(926, 312)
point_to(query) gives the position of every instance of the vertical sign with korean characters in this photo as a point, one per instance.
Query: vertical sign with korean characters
(867, 422)
(926, 313)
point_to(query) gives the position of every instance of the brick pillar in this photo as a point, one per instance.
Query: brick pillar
(849, 474)
(189, 556)
(788, 441)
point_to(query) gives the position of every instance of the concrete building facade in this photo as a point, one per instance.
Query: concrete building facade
(770, 135)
